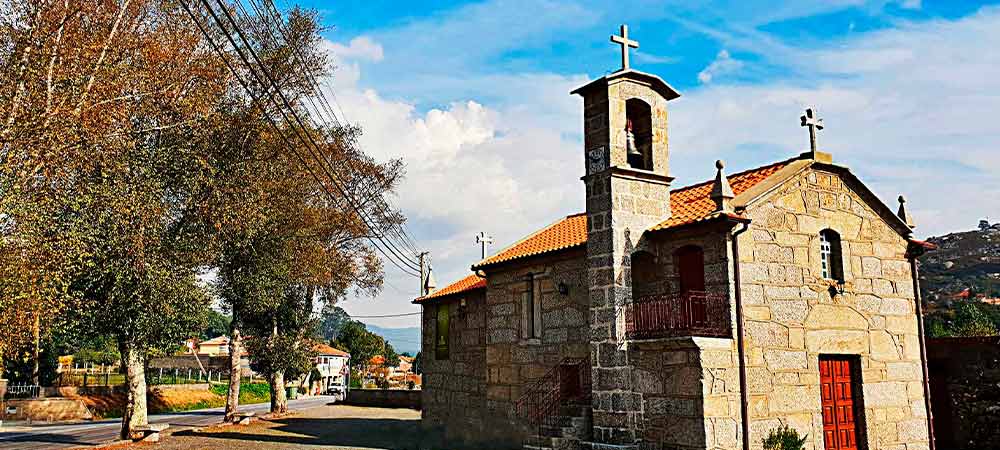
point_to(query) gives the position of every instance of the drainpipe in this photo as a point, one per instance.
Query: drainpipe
(923, 346)
(744, 399)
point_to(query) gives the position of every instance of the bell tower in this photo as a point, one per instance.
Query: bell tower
(628, 191)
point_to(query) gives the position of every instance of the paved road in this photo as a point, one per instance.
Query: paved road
(100, 432)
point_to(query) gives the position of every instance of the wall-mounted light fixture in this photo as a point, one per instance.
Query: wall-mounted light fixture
(563, 288)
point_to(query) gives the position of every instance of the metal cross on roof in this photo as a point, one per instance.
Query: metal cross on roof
(484, 241)
(810, 119)
(625, 43)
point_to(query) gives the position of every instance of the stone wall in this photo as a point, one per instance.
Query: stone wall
(514, 360)
(689, 387)
(965, 392)
(384, 398)
(454, 389)
(793, 316)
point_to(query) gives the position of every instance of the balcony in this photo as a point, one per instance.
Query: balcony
(693, 313)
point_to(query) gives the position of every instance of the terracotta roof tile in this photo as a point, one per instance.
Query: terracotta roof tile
(568, 232)
(688, 205)
(466, 284)
(327, 350)
(692, 203)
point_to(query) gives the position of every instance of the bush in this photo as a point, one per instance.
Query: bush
(784, 438)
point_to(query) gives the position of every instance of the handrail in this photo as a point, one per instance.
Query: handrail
(569, 380)
(693, 313)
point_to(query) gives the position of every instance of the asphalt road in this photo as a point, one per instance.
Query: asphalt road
(89, 434)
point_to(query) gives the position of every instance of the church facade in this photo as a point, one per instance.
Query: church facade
(697, 317)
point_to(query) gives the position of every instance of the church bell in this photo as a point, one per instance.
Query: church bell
(631, 149)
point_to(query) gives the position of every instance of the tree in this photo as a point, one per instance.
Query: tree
(332, 319)
(970, 320)
(216, 324)
(295, 206)
(363, 345)
(101, 102)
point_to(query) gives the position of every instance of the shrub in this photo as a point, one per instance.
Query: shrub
(784, 438)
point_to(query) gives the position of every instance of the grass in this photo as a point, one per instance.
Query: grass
(170, 401)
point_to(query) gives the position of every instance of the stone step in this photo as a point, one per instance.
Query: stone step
(535, 447)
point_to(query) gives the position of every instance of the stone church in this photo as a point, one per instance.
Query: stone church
(695, 317)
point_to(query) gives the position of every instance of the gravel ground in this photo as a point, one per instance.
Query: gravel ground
(330, 426)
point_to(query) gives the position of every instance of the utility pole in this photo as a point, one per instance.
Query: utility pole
(427, 283)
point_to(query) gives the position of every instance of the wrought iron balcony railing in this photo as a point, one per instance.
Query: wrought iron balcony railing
(693, 313)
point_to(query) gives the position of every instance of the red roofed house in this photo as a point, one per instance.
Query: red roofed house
(696, 317)
(333, 366)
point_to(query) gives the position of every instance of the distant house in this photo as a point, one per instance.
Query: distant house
(333, 366)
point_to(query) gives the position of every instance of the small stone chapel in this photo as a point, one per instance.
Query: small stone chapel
(695, 317)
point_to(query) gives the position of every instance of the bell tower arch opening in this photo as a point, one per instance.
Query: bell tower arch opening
(639, 134)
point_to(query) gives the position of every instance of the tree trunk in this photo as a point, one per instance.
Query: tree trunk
(233, 399)
(279, 399)
(135, 377)
(37, 334)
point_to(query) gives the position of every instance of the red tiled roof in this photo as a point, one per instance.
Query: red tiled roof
(326, 350)
(688, 205)
(566, 233)
(693, 203)
(466, 284)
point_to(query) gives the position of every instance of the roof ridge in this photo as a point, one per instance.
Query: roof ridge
(486, 260)
(736, 174)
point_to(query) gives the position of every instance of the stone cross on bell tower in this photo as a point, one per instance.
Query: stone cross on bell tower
(627, 181)
(625, 43)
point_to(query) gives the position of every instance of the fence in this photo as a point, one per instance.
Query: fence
(23, 391)
(107, 376)
(693, 313)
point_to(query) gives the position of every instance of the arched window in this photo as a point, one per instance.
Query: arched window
(643, 267)
(690, 263)
(831, 261)
(639, 132)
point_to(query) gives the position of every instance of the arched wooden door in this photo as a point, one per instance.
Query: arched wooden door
(690, 263)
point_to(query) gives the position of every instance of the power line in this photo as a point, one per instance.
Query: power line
(272, 16)
(270, 120)
(387, 315)
(391, 252)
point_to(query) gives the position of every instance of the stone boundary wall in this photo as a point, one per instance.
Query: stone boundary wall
(965, 392)
(384, 398)
(47, 410)
(72, 391)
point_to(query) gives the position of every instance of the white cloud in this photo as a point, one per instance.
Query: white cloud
(360, 48)
(723, 64)
(909, 109)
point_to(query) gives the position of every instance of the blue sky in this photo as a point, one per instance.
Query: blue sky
(474, 96)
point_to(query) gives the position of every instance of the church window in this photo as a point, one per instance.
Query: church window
(831, 262)
(531, 309)
(690, 263)
(639, 134)
(643, 267)
(441, 335)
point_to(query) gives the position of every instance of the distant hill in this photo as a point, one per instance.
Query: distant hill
(963, 260)
(402, 339)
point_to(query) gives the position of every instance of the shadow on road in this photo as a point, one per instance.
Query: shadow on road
(394, 434)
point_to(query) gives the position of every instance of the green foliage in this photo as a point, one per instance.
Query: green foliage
(965, 319)
(332, 319)
(363, 345)
(784, 438)
(216, 324)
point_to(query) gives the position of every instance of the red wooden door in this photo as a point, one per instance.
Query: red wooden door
(840, 432)
(690, 263)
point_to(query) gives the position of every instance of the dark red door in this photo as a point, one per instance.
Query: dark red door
(840, 432)
(690, 263)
